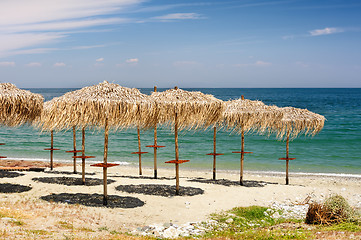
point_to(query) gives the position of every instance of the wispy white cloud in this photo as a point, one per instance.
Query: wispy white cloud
(59, 64)
(88, 47)
(26, 25)
(7, 64)
(33, 64)
(132, 60)
(100, 59)
(185, 63)
(179, 16)
(257, 64)
(325, 31)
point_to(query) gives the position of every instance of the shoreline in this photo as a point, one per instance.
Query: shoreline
(59, 163)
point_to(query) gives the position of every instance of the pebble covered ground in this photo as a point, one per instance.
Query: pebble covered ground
(193, 229)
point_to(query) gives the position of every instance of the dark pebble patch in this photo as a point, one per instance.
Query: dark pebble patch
(94, 200)
(159, 190)
(71, 181)
(6, 174)
(67, 173)
(226, 182)
(13, 188)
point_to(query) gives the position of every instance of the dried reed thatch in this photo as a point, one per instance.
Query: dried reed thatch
(18, 106)
(93, 106)
(193, 109)
(247, 115)
(296, 121)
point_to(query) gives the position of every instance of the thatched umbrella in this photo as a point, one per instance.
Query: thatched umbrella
(297, 121)
(104, 105)
(18, 106)
(243, 115)
(185, 109)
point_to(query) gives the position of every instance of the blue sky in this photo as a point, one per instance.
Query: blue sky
(140, 43)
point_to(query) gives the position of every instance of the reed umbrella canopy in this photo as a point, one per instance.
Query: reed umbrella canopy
(249, 115)
(185, 109)
(18, 106)
(297, 121)
(96, 105)
(193, 109)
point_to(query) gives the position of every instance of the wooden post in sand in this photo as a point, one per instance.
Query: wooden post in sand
(83, 155)
(74, 146)
(215, 154)
(139, 152)
(242, 152)
(74, 151)
(105, 172)
(51, 151)
(105, 165)
(155, 146)
(140, 155)
(176, 161)
(287, 158)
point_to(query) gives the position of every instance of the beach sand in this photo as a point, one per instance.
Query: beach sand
(260, 189)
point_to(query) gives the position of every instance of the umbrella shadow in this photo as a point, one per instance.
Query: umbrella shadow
(143, 177)
(13, 188)
(228, 183)
(159, 190)
(72, 181)
(6, 174)
(67, 173)
(94, 200)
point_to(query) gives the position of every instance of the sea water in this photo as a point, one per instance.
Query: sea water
(336, 149)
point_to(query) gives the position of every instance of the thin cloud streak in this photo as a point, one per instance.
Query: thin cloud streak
(325, 31)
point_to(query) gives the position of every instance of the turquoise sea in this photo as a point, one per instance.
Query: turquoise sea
(337, 149)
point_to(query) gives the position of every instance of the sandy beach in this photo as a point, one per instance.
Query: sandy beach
(260, 189)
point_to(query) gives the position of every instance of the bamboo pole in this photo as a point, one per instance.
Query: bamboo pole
(74, 146)
(83, 154)
(140, 155)
(51, 149)
(287, 155)
(214, 151)
(176, 153)
(106, 135)
(155, 144)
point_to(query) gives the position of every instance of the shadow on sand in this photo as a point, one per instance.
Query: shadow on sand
(159, 190)
(13, 188)
(71, 181)
(67, 173)
(228, 183)
(94, 200)
(6, 174)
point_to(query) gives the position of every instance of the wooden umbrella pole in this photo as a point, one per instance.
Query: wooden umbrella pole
(106, 135)
(74, 145)
(176, 153)
(155, 152)
(214, 151)
(242, 158)
(155, 144)
(51, 147)
(83, 154)
(287, 155)
(140, 155)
